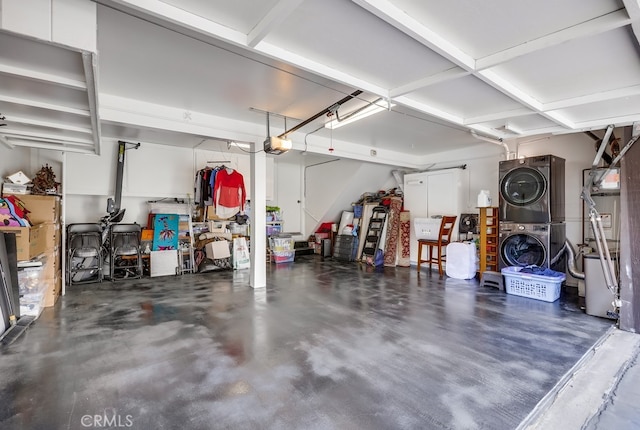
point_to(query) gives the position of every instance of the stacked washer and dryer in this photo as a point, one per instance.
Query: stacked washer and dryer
(532, 228)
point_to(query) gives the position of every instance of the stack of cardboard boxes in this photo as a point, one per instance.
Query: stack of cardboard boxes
(42, 241)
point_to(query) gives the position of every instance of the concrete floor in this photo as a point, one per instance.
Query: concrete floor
(327, 345)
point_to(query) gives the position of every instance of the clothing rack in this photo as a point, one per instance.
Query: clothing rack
(218, 162)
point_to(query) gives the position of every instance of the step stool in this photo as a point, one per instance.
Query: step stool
(492, 279)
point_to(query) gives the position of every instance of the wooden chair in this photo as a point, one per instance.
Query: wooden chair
(444, 237)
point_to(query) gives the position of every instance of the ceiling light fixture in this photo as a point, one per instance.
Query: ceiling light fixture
(373, 108)
(238, 145)
(512, 129)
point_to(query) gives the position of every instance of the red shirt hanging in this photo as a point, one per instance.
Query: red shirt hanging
(229, 194)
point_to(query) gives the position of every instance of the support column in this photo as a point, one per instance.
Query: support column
(258, 278)
(630, 237)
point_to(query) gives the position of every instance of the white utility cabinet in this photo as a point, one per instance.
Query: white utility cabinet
(433, 193)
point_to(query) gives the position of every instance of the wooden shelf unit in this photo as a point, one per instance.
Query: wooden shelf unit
(488, 224)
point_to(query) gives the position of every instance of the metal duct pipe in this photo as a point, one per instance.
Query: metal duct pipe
(495, 141)
(571, 260)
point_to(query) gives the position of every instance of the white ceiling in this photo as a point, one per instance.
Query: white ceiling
(506, 69)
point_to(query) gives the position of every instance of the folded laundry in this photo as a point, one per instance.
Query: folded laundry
(542, 271)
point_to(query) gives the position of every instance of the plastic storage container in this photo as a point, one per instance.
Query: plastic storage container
(32, 288)
(484, 199)
(283, 256)
(282, 249)
(539, 287)
(427, 228)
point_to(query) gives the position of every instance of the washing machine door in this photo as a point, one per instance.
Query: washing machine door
(523, 250)
(523, 186)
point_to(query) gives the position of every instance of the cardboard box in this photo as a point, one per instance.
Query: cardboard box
(22, 240)
(41, 208)
(146, 235)
(50, 265)
(35, 240)
(54, 290)
(211, 214)
(217, 249)
(44, 238)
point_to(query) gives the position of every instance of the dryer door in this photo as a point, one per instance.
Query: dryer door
(523, 250)
(524, 196)
(523, 186)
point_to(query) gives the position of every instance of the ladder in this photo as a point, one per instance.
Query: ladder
(374, 233)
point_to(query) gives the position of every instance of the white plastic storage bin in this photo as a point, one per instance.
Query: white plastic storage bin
(539, 287)
(462, 261)
(427, 228)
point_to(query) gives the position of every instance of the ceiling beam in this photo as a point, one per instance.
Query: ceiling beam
(395, 16)
(633, 8)
(499, 115)
(506, 87)
(48, 124)
(43, 105)
(320, 69)
(556, 129)
(601, 24)
(44, 137)
(89, 63)
(619, 121)
(166, 12)
(271, 20)
(42, 77)
(618, 93)
(444, 76)
(429, 110)
(121, 110)
(51, 146)
(6, 143)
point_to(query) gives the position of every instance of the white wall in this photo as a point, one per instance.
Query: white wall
(29, 161)
(330, 188)
(12, 160)
(151, 172)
